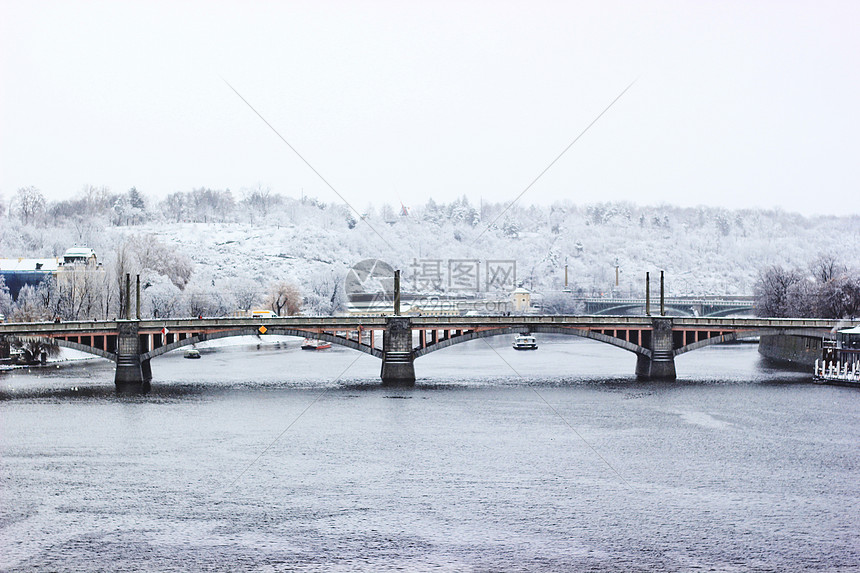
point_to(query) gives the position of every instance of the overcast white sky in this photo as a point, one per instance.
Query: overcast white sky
(737, 104)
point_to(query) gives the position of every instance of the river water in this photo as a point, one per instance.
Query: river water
(273, 459)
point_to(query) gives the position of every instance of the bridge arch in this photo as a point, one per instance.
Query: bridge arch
(680, 309)
(726, 312)
(623, 309)
(740, 335)
(581, 332)
(72, 345)
(618, 309)
(205, 336)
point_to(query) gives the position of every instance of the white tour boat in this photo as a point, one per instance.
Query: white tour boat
(192, 353)
(525, 342)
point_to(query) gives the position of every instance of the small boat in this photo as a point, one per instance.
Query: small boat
(840, 360)
(310, 344)
(525, 342)
(192, 353)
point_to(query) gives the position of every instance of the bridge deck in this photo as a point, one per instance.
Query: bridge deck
(438, 322)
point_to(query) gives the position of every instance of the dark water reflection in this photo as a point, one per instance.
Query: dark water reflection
(274, 459)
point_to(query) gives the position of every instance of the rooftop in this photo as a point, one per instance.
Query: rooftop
(76, 252)
(30, 264)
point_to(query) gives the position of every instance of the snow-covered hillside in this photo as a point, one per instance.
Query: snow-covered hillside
(703, 251)
(239, 246)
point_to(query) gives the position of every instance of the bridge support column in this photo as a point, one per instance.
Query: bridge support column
(661, 364)
(130, 377)
(146, 370)
(397, 362)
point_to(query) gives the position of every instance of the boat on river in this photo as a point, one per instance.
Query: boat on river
(840, 359)
(525, 342)
(192, 353)
(310, 344)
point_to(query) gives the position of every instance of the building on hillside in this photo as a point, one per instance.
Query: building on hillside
(20, 272)
(522, 300)
(80, 256)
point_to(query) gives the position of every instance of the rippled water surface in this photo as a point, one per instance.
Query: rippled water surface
(274, 459)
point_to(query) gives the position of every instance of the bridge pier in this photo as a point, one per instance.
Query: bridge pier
(398, 368)
(132, 374)
(146, 370)
(661, 364)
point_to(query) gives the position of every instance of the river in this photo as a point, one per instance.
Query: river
(271, 458)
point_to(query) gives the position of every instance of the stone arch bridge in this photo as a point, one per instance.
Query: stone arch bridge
(713, 306)
(398, 340)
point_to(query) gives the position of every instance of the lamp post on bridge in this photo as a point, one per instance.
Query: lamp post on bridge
(397, 293)
(662, 295)
(647, 294)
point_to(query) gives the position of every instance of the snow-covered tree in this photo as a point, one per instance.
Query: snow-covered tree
(162, 298)
(30, 306)
(773, 291)
(284, 298)
(839, 297)
(6, 303)
(247, 292)
(559, 302)
(79, 293)
(511, 228)
(205, 297)
(29, 203)
(325, 293)
(174, 206)
(826, 267)
(152, 254)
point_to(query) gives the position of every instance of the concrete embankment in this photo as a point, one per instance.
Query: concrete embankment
(797, 350)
